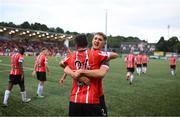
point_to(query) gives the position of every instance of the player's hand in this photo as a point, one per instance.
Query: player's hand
(61, 81)
(85, 80)
(78, 73)
(33, 73)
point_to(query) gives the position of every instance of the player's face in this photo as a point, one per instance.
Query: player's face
(47, 52)
(98, 42)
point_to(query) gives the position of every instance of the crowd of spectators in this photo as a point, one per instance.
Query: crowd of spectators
(137, 47)
(57, 47)
(32, 47)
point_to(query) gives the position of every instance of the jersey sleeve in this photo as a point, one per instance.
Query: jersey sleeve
(66, 60)
(103, 55)
(105, 64)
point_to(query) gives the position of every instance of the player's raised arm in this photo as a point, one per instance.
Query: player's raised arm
(113, 55)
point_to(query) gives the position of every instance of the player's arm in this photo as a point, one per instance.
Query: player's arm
(64, 61)
(61, 80)
(34, 71)
(112, 55)
(21, 68)
(69, 51)
(76, 75)
(61, 64)
(70, 72)
(96, 73)
(47, 68)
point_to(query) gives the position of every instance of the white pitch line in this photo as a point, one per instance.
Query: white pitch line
(4, 70)
(9, 70)
(27, 68)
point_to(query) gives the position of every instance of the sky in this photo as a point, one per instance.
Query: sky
(145, 19)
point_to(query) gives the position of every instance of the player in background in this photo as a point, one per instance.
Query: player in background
(16, 76)
(145, 60)
(40, 68)
(130, 65)
(138, 62)
(172, 63)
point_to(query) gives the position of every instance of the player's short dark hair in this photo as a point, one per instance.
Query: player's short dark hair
(44, 48)
(81, 40)
(21, 50)
(101, 34)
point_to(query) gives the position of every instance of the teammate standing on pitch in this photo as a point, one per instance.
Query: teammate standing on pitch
(16, 76)
(138, 61)
(130, 64)
(145, 60)
(172, 63)
(40, 68)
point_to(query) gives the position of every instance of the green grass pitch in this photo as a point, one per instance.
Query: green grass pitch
(156, 93)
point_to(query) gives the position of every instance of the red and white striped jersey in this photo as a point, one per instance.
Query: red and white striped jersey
(145, 59)
(89, 59)
(172, 60)
(130, 61)
(16, 59)
(40, 63)
(138, 59)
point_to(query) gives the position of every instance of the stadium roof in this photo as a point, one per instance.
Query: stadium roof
(20, 34)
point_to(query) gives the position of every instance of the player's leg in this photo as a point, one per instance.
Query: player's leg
(145, 68)
(7, 93)
(8, 90)
(141, 69)
(40, 89)
(103, 106)
(175, 70)
(137, 69)
(131, 79)
(128, 74)
(131, 76)
(171, 68)
(23, 92)
(41, 76)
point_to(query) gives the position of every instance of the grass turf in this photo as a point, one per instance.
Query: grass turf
(153, 94)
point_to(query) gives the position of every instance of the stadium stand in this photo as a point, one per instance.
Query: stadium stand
(31, 40)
